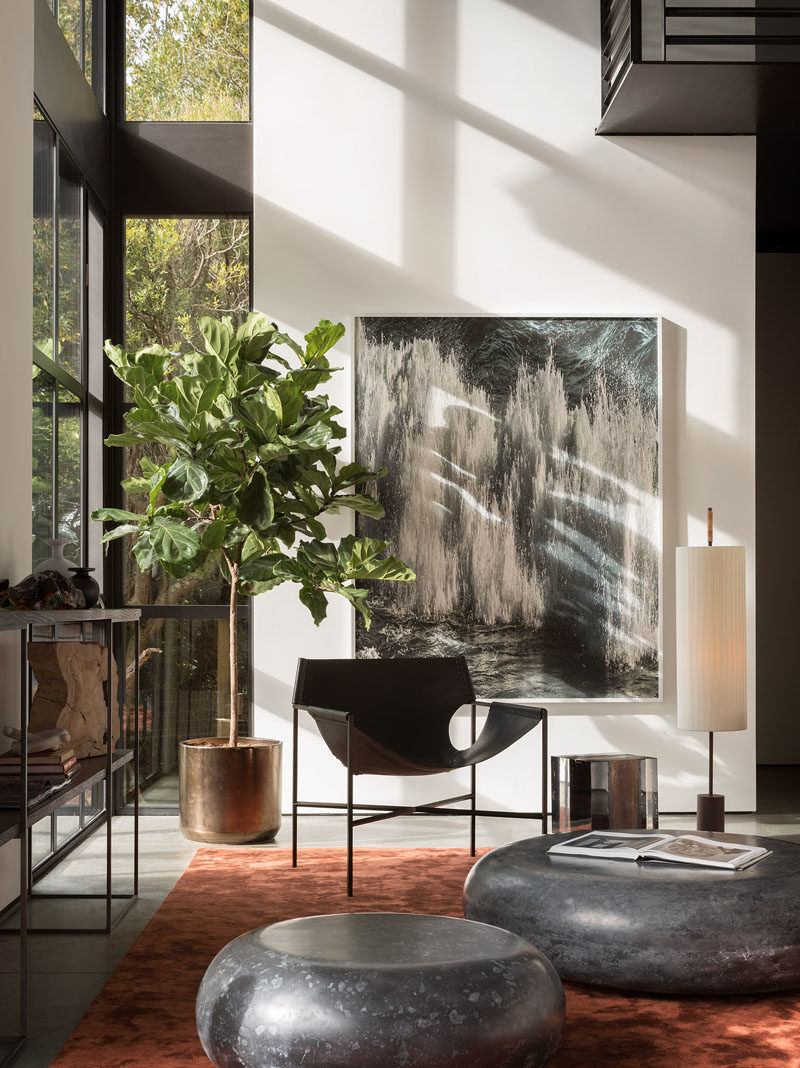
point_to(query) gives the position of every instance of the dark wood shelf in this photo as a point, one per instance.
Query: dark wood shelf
(12, 620)
(92, 770)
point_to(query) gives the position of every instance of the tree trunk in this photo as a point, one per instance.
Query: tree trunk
(234, 736)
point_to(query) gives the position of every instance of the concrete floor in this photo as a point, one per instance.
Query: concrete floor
(66, 972)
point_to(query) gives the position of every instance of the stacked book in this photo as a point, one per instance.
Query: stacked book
(57, 765)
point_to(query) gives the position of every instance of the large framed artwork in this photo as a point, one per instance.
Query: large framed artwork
(524, 490)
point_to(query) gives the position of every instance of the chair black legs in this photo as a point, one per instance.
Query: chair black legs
(472, 782)
(388, 811)
(294, 787)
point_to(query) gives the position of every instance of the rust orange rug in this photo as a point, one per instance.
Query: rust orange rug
(144, 1016)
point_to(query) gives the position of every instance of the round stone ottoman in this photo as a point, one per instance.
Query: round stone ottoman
(380, 990)
(667, 928)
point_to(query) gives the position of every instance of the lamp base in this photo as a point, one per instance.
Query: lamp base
(710, 812)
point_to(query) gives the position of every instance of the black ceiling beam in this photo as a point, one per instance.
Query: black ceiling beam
(68, 101)
(184, 168)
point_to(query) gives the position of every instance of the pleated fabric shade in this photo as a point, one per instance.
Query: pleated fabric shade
(711, 638)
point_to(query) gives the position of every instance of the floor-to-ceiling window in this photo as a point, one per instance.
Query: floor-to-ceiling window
(177, 269)
(186, 62)
(67, 392)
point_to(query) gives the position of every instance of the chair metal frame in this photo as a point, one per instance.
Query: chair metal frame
(384, 811)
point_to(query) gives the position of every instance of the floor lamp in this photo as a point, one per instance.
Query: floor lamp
(712, 654)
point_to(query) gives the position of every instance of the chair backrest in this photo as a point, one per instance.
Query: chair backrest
(404, 704)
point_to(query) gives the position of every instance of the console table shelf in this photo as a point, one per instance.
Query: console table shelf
(69, 624)
(92, 770)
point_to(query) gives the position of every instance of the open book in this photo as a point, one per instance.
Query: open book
(686, 849)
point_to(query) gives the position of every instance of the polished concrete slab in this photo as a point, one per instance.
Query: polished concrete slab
(68, 971)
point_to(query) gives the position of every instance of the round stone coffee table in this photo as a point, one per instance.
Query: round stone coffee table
(380, 989)
(668, 928)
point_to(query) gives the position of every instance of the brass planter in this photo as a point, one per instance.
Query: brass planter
(230, 795)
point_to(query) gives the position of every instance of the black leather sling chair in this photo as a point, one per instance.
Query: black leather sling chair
(392, 717)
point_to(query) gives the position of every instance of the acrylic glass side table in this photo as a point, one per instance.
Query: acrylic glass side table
(604, 791)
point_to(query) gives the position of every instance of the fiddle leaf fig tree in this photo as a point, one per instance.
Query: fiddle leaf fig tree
(249, 467)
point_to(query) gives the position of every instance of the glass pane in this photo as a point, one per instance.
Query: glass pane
(184, 693)
(68, 466)
(94, 323)
(87, 41)
(43, 421)
(70, 247)
(179, 269)
(187, 60)
(70, 21)
(41, 841)
(92, 802)
(43, 232)
(68, 820)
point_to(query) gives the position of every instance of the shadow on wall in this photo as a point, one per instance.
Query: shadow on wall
(320, 270)
(585, 203)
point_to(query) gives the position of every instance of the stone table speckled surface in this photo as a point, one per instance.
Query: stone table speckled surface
(651, 926)
(380, 989)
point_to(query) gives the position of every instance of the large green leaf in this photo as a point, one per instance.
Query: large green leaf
(158, 424)
(136, 485)
(320, 553)
(217, 334)
(255, 504)
(186, 481)
(291, 397)
(213, 536)
(257, 416)
(115, 515)
(120, 532)
(313, 437)
(257, 324)
(206, 365)
(315, 601)
(121, 440)
(176, 545)
(143, 551)
(360, 502)
(355, 474)
(322, 338)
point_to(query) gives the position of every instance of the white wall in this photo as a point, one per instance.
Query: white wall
(16, 273)
(416, 157)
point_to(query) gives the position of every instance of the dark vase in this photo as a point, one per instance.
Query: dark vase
(88, 586)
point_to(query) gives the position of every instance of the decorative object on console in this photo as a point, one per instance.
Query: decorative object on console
(57, 561)
(54, 738)
(604, 791)
(712, 652)
(365, 988)
(524, 489)
(70, 693)
(87, 584)
(42, 590)
(261, 470)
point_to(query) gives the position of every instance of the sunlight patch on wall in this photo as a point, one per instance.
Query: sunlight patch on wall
(346, 177)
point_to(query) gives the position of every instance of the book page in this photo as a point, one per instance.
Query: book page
(610, 844)
(695, 850)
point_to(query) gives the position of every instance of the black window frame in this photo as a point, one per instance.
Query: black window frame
(60, 376)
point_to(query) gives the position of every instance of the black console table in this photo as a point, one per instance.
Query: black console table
(16, 824)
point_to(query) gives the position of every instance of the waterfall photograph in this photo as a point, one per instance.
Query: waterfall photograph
(524, 490)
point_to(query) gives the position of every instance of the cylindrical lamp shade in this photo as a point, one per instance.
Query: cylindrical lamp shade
(712, 642)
